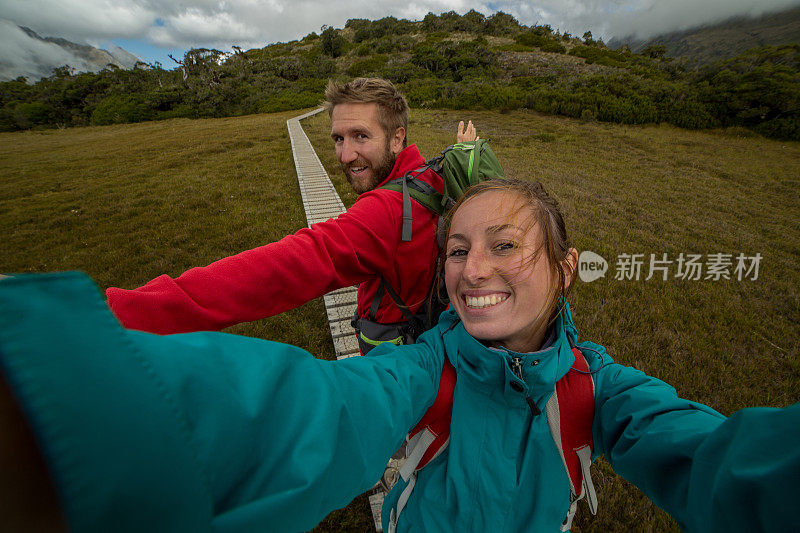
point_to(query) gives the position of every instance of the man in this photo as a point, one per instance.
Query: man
(369, 122)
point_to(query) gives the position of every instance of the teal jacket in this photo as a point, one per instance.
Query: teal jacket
(209, 431)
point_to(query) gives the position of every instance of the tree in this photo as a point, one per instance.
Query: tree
(474, 22)
(333, 43)
(502, 24)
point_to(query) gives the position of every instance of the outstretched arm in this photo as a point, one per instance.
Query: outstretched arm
(194, 432)
(710, 473)
(745, 474)
(269, 279)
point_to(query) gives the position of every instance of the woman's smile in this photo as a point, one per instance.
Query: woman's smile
(483, 301)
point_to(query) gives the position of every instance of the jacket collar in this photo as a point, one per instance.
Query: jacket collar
(409, 158)
(490, 370)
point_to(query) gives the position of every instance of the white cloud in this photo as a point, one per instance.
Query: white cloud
(80, 20)
(644, 18)
(255, 23)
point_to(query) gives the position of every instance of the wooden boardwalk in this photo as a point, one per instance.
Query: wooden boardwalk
(321, 202)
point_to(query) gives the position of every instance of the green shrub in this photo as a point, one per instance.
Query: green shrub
(780, 128)
(456, 61)
(423, 92)
(599, 55)
(370, 65)
(541, 41)
(633, 110)
(362, 34)
(286, 100)
(365, 30)
(502, 24)
(403, 71)
(179, 111)
(30, 114)
(481, 96)
(393, 43)
(687, 112)
(120, 109)
(356, 24)
(554, 47)
(436, 37)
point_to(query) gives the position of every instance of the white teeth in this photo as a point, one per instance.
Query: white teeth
(479, 302)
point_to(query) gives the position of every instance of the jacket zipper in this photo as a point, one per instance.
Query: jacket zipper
(516, 368)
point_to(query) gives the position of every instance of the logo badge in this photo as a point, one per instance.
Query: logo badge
(591, 266)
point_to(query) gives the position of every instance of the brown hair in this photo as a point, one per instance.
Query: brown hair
(392, 105)
(546, 215)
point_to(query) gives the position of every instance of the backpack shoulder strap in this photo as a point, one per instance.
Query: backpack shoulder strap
(427, 440)
(422, 192)
(436, 422)
(570, 414)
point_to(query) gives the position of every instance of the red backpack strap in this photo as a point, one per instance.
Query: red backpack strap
(436, 421)
(427, 440)
(570, 414)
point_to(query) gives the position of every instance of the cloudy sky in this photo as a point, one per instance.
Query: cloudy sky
(153, 28)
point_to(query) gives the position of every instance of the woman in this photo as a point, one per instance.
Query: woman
(212, 431)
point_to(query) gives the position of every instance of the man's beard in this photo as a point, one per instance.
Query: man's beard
(380, 171)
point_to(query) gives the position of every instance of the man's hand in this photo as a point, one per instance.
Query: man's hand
(28, 500)
(466, 134)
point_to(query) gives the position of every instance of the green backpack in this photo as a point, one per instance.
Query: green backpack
(460, 166)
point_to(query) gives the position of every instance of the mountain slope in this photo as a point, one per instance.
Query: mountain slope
(707, 44)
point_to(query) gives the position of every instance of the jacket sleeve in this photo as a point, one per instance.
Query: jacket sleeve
(710, 473)
(269, 279)
(203, 430)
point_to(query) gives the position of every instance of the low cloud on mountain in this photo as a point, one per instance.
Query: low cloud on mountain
(27, 54)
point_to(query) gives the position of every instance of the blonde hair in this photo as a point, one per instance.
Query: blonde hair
(392, 106)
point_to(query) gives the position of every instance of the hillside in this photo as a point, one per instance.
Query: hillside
(708, 44)
(447, 61)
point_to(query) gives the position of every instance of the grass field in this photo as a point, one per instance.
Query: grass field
(127, 203)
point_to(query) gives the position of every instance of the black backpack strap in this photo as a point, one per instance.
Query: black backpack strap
(415, 323)
(412, 187)
(408, 219)
(397, 300)
(376, 301)
(384, 287)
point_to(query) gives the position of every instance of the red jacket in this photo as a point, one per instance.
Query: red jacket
(358, 246)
